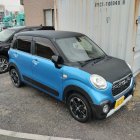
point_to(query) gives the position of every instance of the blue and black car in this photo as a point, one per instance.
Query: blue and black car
(72, 68)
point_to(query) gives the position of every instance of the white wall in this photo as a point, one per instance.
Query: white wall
(137, 46)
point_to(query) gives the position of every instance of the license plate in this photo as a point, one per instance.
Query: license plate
(119, 101)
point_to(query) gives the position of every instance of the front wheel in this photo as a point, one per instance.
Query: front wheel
(79, 107)
(15, 77)
(3, 64)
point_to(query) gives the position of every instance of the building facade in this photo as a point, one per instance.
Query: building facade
(38, 12)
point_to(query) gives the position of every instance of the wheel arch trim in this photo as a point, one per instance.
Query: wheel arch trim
(79, 90)
(11, 64)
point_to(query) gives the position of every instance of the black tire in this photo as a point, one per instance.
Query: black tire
(79, 108)
(15, 77)
(3, 64)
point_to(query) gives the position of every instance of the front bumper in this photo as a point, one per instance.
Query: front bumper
(98, 109)
(112, 111)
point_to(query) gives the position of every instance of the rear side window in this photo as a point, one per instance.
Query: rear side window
(24, 45)
(42, 50)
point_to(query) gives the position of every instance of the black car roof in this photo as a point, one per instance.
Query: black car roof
(50, 34)
(18, 28)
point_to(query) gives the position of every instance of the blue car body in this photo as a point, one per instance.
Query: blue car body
(41, 73)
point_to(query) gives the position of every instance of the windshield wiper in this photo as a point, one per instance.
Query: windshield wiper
(93, 59)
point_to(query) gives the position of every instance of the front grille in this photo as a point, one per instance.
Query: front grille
(121, 85)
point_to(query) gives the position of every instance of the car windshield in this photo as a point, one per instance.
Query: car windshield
(5, 34)
(79, 49)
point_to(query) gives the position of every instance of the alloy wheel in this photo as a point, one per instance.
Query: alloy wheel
(3, 65)
(14, 77)
(78, 108)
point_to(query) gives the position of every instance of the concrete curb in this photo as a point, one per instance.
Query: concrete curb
(30, 136)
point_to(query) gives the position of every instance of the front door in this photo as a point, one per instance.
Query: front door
(45, 75)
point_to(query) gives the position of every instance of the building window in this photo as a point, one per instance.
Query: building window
(21, 2)
(49, 17)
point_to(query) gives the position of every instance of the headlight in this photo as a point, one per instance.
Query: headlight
(98, 81)
(129, 65)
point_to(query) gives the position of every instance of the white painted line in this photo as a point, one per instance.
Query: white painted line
(29, 136)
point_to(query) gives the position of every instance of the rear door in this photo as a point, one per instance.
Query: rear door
(23, 55)
(45, 74)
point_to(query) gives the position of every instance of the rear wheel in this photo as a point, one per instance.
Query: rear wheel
(3, 64)
(15, 77)
(79, 107)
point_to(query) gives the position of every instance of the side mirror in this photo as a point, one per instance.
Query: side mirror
(57, 60)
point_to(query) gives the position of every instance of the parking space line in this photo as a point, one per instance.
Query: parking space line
(30, 136)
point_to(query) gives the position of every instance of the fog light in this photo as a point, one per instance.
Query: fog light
(106, 108)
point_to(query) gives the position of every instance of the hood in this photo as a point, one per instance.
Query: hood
(112, 69)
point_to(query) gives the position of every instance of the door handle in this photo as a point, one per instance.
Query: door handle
(15, 55)
(35, 62)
